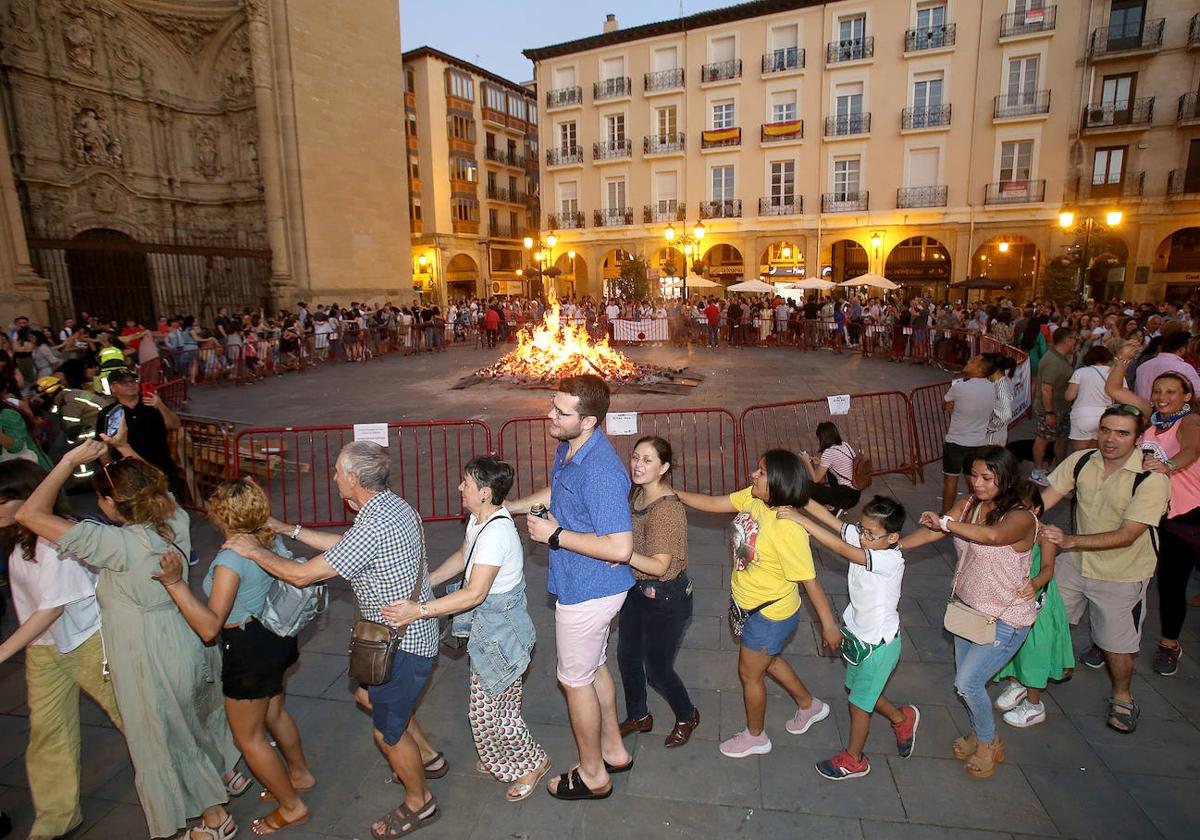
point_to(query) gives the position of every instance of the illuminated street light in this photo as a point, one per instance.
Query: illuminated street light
(690, 243)
(1066, 219)
(1068, 222)
(1002, 246)
(1113, 218)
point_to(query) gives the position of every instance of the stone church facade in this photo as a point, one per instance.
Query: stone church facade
(174, 157)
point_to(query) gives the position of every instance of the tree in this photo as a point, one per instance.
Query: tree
(632, 282)
(1059, 280)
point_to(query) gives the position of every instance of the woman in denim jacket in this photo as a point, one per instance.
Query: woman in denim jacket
(492, 598)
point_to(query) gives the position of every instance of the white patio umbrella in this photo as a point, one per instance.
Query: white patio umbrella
(874, 280)
(814, 283)
(754, 285)
(698, 282)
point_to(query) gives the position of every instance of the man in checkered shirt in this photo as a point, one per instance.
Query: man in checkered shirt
(381, 555)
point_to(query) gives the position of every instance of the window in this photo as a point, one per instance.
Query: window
(564, 77)
(848, 100)
(493, 98)
(614, 193)
(667, 120)
(410, 82)
(783, 106)
(516, 107)
(1108, 166)
(845, 178)
(411, 125)
(567, 136)
(512, 221)
(927, 91)
(666, 191)
(512, 151)
(1117, 91)
(1016, 160)
(465, 209)
(413, 169)
(1126, 20)
(612, 68)
(783, 182)
(465, 169)
(665, 58)
(851, 29)
(414, 209)
(568, 198)
(512, 186)
(493, 220)
(460, 85)
(614, 129)
(931, 17)
(722, 183)
(723, 48)
(1022, 80)
(722, 114)
(462, 127)
(489, 140)
(923, 166)
(784, 37)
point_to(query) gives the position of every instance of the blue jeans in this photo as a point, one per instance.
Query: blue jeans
(975, 665)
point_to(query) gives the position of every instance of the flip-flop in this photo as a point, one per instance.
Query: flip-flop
(276, 822)
(571, 788)
(524, 790)
(266, 796)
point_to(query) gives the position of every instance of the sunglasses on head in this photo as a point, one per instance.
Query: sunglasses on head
(1124, 408)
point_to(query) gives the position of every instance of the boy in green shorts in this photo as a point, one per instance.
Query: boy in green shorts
(871, 633)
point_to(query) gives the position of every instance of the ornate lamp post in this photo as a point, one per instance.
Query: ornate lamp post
(690, 243)
(1069, 222)
(542, 252)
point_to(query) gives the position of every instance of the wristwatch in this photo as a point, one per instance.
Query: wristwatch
(296, 531)
(944, 522)
(424, 609)
(553, 541)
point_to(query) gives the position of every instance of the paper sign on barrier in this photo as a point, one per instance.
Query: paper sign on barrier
(621, 423)
(372, 432)
(839, 403)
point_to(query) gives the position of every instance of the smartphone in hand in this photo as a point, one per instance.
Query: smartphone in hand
(113, 425)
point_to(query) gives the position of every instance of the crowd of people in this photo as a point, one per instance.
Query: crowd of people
(104, 605)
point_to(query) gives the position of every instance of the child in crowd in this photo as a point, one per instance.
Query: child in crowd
(1046, 653)
(871, 628)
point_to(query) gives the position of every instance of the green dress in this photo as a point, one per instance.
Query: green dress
(167, 682)
(1047, 652)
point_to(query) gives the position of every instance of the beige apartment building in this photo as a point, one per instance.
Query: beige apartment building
(928, 140)
(472, 174)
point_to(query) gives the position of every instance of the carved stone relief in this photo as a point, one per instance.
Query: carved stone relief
(207, 153)
(190, 33)
(20, 27)
(80, 43)
(92, 141)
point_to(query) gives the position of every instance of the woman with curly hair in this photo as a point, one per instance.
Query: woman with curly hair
(164, 677)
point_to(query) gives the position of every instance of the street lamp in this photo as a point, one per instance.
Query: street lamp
(542, 251)
(423, 263)
(1068, 222)
(691, 245)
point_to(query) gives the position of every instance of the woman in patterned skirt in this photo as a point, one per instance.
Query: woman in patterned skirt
(492, 601)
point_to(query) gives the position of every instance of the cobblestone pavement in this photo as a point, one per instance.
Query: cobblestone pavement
(1070, 777)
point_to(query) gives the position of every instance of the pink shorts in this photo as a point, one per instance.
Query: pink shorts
(581, 637)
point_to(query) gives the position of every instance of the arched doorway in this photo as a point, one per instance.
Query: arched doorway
(1104, 277)
(781, 262)
(1011, 259)
(922, 264)
(610, 269)
(462, 277)
(847, 260)
(724, 264)
(572, 275)
(1179, 255)
(109, 276)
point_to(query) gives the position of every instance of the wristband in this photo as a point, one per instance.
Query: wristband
(424, 610)
(944, 522)
(296, 531)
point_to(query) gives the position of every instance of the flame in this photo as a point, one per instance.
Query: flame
(556, 348)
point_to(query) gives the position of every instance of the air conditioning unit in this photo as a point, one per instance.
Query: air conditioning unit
(1097, 116)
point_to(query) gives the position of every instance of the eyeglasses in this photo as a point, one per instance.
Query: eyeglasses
(105, 468)
(869, 535)
(1124, 408)
(559, 412)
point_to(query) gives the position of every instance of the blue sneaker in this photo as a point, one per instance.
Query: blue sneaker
(1039, 478)
(843, 766)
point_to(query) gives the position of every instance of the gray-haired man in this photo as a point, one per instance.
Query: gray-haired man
(381, 555)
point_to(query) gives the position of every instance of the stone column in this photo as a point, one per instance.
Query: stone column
(270, 144)
(20, 286)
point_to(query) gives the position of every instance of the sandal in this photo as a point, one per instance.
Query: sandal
(225, 831)
(437, 767)
(1123, 715)
(619, 768)
(965, 747)
(266, 796)
(238, 783)
(520, 790)
(979, 767)
(571, 787)
(404, 820)
(275, 821)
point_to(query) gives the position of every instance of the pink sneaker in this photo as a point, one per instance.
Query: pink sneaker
(803, 720)
(744, 744)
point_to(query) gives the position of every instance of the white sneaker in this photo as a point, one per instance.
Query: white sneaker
(1039, 477)
(1011, 697)
(1026, 714)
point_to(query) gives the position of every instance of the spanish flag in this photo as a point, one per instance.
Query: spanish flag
(722, 135)
(782, 129)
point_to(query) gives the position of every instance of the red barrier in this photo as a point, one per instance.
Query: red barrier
(704, 441)
(204, 450)
(930, 421)
(174, 394)
(880, 424)
(295, 465)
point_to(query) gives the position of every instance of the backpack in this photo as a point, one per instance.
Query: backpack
(861, 469)
(289, 608)
(1137, 482)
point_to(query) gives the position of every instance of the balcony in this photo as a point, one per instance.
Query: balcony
(1194, 32)
(935, 196)
(1131, 185)
(464, 226)
(1015, 192)
(780, 132)
(729, 208)
(718, 138)
(1188, 112)
(721, 71)
(781, 205)
(1026, 103)
(564, 221)
(783, 60)
(564, 155)
(1179, 184)
(925, 116)
(929, 38)
(504, 232)
(613, 217)
(845, 201)
(664, 144)
(1129, 114)
(612, 149)
(1028, 22)
(564, 97)
(612, 88)
(506, 195)
(496, 155)
(664, 79)
(666, 211)
(493, 116)
(1119, 41)
(847, 125)
(852, 49)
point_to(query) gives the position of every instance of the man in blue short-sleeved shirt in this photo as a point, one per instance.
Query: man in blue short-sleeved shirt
(590, 537)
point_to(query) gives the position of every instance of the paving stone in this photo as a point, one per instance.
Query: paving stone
(315, 673)
(931, 644)
(711, 779)
(790, 782)
(1158, 748)
(1089, 803)
(876, 830)
(1169, 803)
(824, 735)
(938, 791)
(118, 820)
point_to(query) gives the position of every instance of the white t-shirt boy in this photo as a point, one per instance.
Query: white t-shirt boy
(873, 614)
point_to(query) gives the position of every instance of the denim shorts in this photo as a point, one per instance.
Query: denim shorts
(393, 703)
(765, 635)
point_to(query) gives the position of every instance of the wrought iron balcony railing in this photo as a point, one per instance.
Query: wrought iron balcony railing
(660, 144)
(844, 125)
(929, 38)
(1028, 21)
(1015, 192)
(852, 49)
(612, 149)
(729, 208)
(845, 201)
(719, 71)
(612, 88)
(782, 60)
(561, 155)
(664, 79)
(925, 116)
(781, 131)
(562, 97)
(613, 217)
(1189, 107)
(565, 221)
(671, 211)
(781, 205)
(1021, 104)
(1134, 36)
(1132, 112)
(934, 196)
